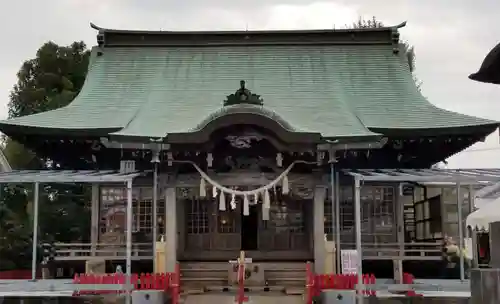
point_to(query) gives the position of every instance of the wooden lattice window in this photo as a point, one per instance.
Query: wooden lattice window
(377, 214)
(114, 204)
(197, 216)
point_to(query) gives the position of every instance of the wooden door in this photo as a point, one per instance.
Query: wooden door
(226, 229)
(198, 230)
(287, 228)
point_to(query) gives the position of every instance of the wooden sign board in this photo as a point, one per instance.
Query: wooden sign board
(406, 189)
(349, 261)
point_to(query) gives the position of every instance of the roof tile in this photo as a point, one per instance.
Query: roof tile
(336, 90)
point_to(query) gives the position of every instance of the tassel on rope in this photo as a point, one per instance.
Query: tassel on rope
(267, 200)
(203, 188)
(285, 187)
(222, 201)
(214, 192)
(233, 201)
(246, 206)
(265, 213)
(256, 197)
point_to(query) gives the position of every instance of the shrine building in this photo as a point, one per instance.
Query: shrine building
(249, 140)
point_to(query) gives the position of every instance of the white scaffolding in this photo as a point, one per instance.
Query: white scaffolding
(456, 177)
(71, 176)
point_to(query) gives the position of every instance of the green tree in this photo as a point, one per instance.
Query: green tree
(406, 49)
(49, 81)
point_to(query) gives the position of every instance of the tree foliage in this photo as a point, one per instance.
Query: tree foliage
(405, 48)
(49, 81)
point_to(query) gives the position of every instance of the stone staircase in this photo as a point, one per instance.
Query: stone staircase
(199, 275)
(253, 298)
(213, 276)
(286, 274)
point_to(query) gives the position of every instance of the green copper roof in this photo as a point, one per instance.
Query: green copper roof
(336, 90)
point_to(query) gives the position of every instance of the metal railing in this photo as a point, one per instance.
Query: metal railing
(420, 251)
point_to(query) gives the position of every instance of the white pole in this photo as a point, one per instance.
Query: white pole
(332, 202)
(473, 234)
(129, 241)
(357, 227)
(36, 195)
(337, 221)
(460, 232)
(155, 212)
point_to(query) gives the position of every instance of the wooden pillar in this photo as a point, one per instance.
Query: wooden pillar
(94, 219)
(319, 228)
(170, 229)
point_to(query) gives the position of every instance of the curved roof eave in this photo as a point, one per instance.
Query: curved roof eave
(244, 109)
(247, 114)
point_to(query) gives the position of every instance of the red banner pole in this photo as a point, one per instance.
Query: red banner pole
(240, 297)
(176, 278)
(309, 284)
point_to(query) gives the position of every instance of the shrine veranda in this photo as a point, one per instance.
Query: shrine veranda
(272, 142)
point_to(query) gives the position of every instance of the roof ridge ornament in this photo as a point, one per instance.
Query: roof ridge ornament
(243, 95)
(395, 37)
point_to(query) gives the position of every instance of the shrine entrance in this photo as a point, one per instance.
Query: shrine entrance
(212, 234)
(249, 199)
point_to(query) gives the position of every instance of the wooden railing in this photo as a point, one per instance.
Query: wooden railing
(418, 251)
(85, 251)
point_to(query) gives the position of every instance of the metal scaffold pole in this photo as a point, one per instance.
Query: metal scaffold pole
(36, 197)
(357, 227)
(129, 241)
(155, 213)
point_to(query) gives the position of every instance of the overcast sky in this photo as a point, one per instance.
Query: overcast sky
(451, 38)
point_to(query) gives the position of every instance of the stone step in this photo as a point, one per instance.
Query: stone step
(216, 273)
(253, 299)
(287, 283)
(204, 265)
(234, 288)
(201, 279)
(224, 265)
(286, 273)
(204, 272)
